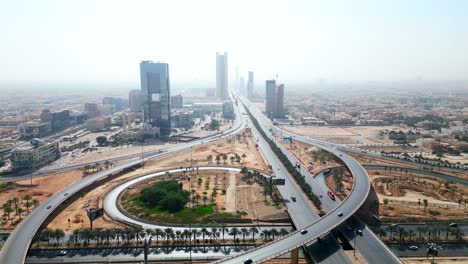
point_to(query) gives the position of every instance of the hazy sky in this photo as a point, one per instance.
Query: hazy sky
(103, 41)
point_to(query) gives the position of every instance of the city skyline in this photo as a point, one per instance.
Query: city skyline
(314, 40)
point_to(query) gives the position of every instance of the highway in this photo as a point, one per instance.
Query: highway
(325, 224)
(17, 244)
(15, 248)
(316, 228)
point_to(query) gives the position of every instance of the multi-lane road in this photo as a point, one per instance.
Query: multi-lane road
(15, 249)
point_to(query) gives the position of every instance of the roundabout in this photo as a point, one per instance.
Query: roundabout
(113, 208)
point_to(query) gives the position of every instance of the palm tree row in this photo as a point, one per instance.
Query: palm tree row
(18, 206)
(167, 236)
(421, 233)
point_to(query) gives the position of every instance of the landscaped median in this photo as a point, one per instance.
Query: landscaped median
(289, 166)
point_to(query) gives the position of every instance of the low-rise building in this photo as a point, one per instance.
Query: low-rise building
(200, 109)
(98, 123)
(182, 119)
(34, 129)
(35, 155)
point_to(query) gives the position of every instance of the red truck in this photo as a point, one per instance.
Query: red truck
(331, 195)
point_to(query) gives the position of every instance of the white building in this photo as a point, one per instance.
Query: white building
(35, 155)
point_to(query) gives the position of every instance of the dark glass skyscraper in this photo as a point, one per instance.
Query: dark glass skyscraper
(155, 87)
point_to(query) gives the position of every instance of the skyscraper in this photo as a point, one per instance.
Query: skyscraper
(156, 95)
(274, 106)
(222, 75)
(250, 85)
(242, 86)
(270, 97)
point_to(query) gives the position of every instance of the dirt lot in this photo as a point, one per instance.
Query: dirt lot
(42, 188)
(406, 194)
(76, 210)
(364, 131)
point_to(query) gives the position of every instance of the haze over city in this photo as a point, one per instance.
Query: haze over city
(278, 132)
(303, 41)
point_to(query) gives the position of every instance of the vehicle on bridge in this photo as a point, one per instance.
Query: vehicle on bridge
(331, 195)
(293, 198)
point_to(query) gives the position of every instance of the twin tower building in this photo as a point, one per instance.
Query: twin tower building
(156, 92)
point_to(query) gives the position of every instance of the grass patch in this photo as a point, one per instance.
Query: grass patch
(198, 215)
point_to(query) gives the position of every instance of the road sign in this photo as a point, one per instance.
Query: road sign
(279, 181)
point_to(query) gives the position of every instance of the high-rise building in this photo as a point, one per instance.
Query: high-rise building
(135, 99)
(250, 85)
(156, 95)
(242, 86)
(91, 110)
(177, 101)
(274, 106)
(222, 75)
(270, 97)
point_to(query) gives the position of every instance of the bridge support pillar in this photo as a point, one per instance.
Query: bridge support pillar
(294, 256)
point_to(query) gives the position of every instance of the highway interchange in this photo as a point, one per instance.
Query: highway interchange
(304, 217)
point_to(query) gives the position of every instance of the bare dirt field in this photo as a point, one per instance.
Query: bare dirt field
(366, 159)
(76, 211)
(364, 131)
(406, 193)
(41, 189)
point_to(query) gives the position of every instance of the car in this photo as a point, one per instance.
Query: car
(331, 195)
(248, 261)
(394, 225)
(65, 194)
(304, 231)
(340, 214)
(349, 228)
(453, 225)
(48, 207)
(321, 196)
(293, 198)
(62, 253)
(413, 247)
(359, 232)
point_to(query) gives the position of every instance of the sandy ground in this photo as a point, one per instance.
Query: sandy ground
(230, 203)
(364, 131)
(77, 212)
(42, 188)
(407, 192)
(365, 159)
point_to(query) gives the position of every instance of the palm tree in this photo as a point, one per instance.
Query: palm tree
(20, 211)
(253, 231)
(209, 158)
(425, 204)
(158, 233)
(243, 157)
(35, 203)
(234, 232)
(245, 232)
(224, 229)
(283, 232)
(168, 232)
(16, 200)
(225, 157)
(274, 233)
(47, 234)
(420, 229)
(58, 234)
(27, 198)
(265, 234)
(204, 200)
(411, 233)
